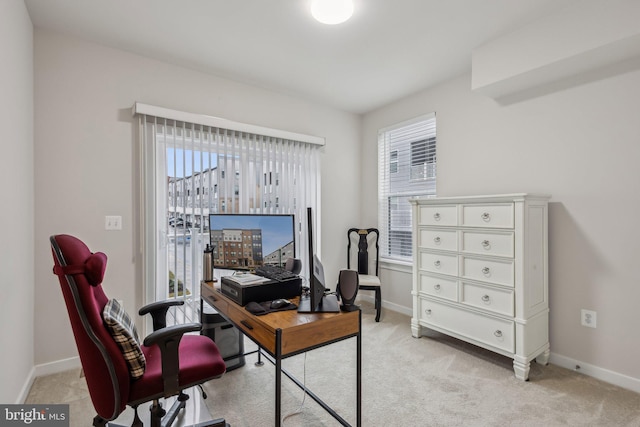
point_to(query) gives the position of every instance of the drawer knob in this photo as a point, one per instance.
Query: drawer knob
(436, 216)
(437, 263)
(486, 298)
(486, 244)
(437, 287)
(498, 333)
(428, 312)
(486, 217)
(486, 271)
(436, 240)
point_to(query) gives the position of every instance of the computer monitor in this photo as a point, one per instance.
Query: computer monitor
(248, 241)
(317, 301)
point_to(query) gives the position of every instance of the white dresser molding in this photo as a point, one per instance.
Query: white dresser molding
(480, 273)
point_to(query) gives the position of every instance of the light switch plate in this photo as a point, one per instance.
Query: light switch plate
(113, 222)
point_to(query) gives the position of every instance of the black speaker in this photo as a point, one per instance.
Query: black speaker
(348, 283)
(293, 265)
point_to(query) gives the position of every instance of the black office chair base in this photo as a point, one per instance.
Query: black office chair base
(219, 422)
(162, 418)
(213, 423)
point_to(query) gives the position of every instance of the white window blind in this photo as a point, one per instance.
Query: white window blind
(191, 169)
(406, 168)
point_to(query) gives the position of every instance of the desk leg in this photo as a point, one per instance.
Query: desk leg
(278, 377)
(359, 373)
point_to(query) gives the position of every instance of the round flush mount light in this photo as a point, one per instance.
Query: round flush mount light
(332, 12)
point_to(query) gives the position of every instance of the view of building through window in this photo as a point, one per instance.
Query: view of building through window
(196, 171)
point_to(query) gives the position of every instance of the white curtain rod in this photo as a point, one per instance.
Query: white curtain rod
(201, 119)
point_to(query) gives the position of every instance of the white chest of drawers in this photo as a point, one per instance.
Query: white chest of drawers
(480, 273)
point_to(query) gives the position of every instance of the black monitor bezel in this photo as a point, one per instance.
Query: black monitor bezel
(317, 301)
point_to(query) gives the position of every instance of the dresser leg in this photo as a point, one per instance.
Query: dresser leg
(543, 358)
(521, 370)
(415, 330)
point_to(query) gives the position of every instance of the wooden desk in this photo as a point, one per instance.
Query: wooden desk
(287, 333)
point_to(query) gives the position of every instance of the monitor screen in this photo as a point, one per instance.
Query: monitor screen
(247, 241)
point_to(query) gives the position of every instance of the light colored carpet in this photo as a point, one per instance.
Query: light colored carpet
(431, 381)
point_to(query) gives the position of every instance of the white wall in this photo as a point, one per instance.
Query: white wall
(579, 38)
(581, 145)
(578, 143)
(85, 166)
(16, 216)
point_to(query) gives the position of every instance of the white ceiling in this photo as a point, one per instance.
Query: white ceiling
(387, 50)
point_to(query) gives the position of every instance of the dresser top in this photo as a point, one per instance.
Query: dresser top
(481, 199)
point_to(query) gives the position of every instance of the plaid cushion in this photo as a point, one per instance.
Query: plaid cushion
(125, 335)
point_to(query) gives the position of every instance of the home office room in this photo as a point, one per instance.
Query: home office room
(489, 148)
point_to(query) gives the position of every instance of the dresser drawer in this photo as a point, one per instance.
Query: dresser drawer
(492, 299)
(439, 287)
(430, 238)
(438, 215)
(490, 215)
(486, 270)
(489, 330)
(438, 263)
(498, 244)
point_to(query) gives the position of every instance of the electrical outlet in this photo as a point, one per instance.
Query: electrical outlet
(113, 222)
(588, 318)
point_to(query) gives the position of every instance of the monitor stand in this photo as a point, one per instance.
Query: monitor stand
(329, 304)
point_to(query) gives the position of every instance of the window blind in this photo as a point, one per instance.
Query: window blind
(406, 168)
(190, 170)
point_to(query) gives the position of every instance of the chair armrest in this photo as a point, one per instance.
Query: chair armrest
(171, 332)
(168, 340)
(158, 311)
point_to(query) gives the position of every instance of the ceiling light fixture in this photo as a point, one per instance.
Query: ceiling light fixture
(332, 11)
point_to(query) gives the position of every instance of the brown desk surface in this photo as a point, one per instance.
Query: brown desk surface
(300, 331)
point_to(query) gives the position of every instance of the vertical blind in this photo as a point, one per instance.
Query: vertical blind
(191, 170)
(406, 168)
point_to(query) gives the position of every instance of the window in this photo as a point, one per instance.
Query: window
(191, 168)
(393, 161)
(406, 169)
(423, 159)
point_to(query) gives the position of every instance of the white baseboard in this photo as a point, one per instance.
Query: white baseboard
(46, 369)
(386, 304)
(611, 377)
(57, 366)
(397, 308)
(602, 374)
(408, 311)
(605, 375)
(26, 387)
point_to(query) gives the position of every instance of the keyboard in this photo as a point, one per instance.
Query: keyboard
(275, 273)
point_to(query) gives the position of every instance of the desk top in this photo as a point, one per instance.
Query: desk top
(299, 331)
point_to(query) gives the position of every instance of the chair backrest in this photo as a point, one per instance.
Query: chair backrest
(365, 240)
(80, 274)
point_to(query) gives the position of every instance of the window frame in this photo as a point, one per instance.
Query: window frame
(397, 182)
(303, 150)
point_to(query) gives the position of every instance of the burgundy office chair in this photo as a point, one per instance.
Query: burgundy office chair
(119, 371)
